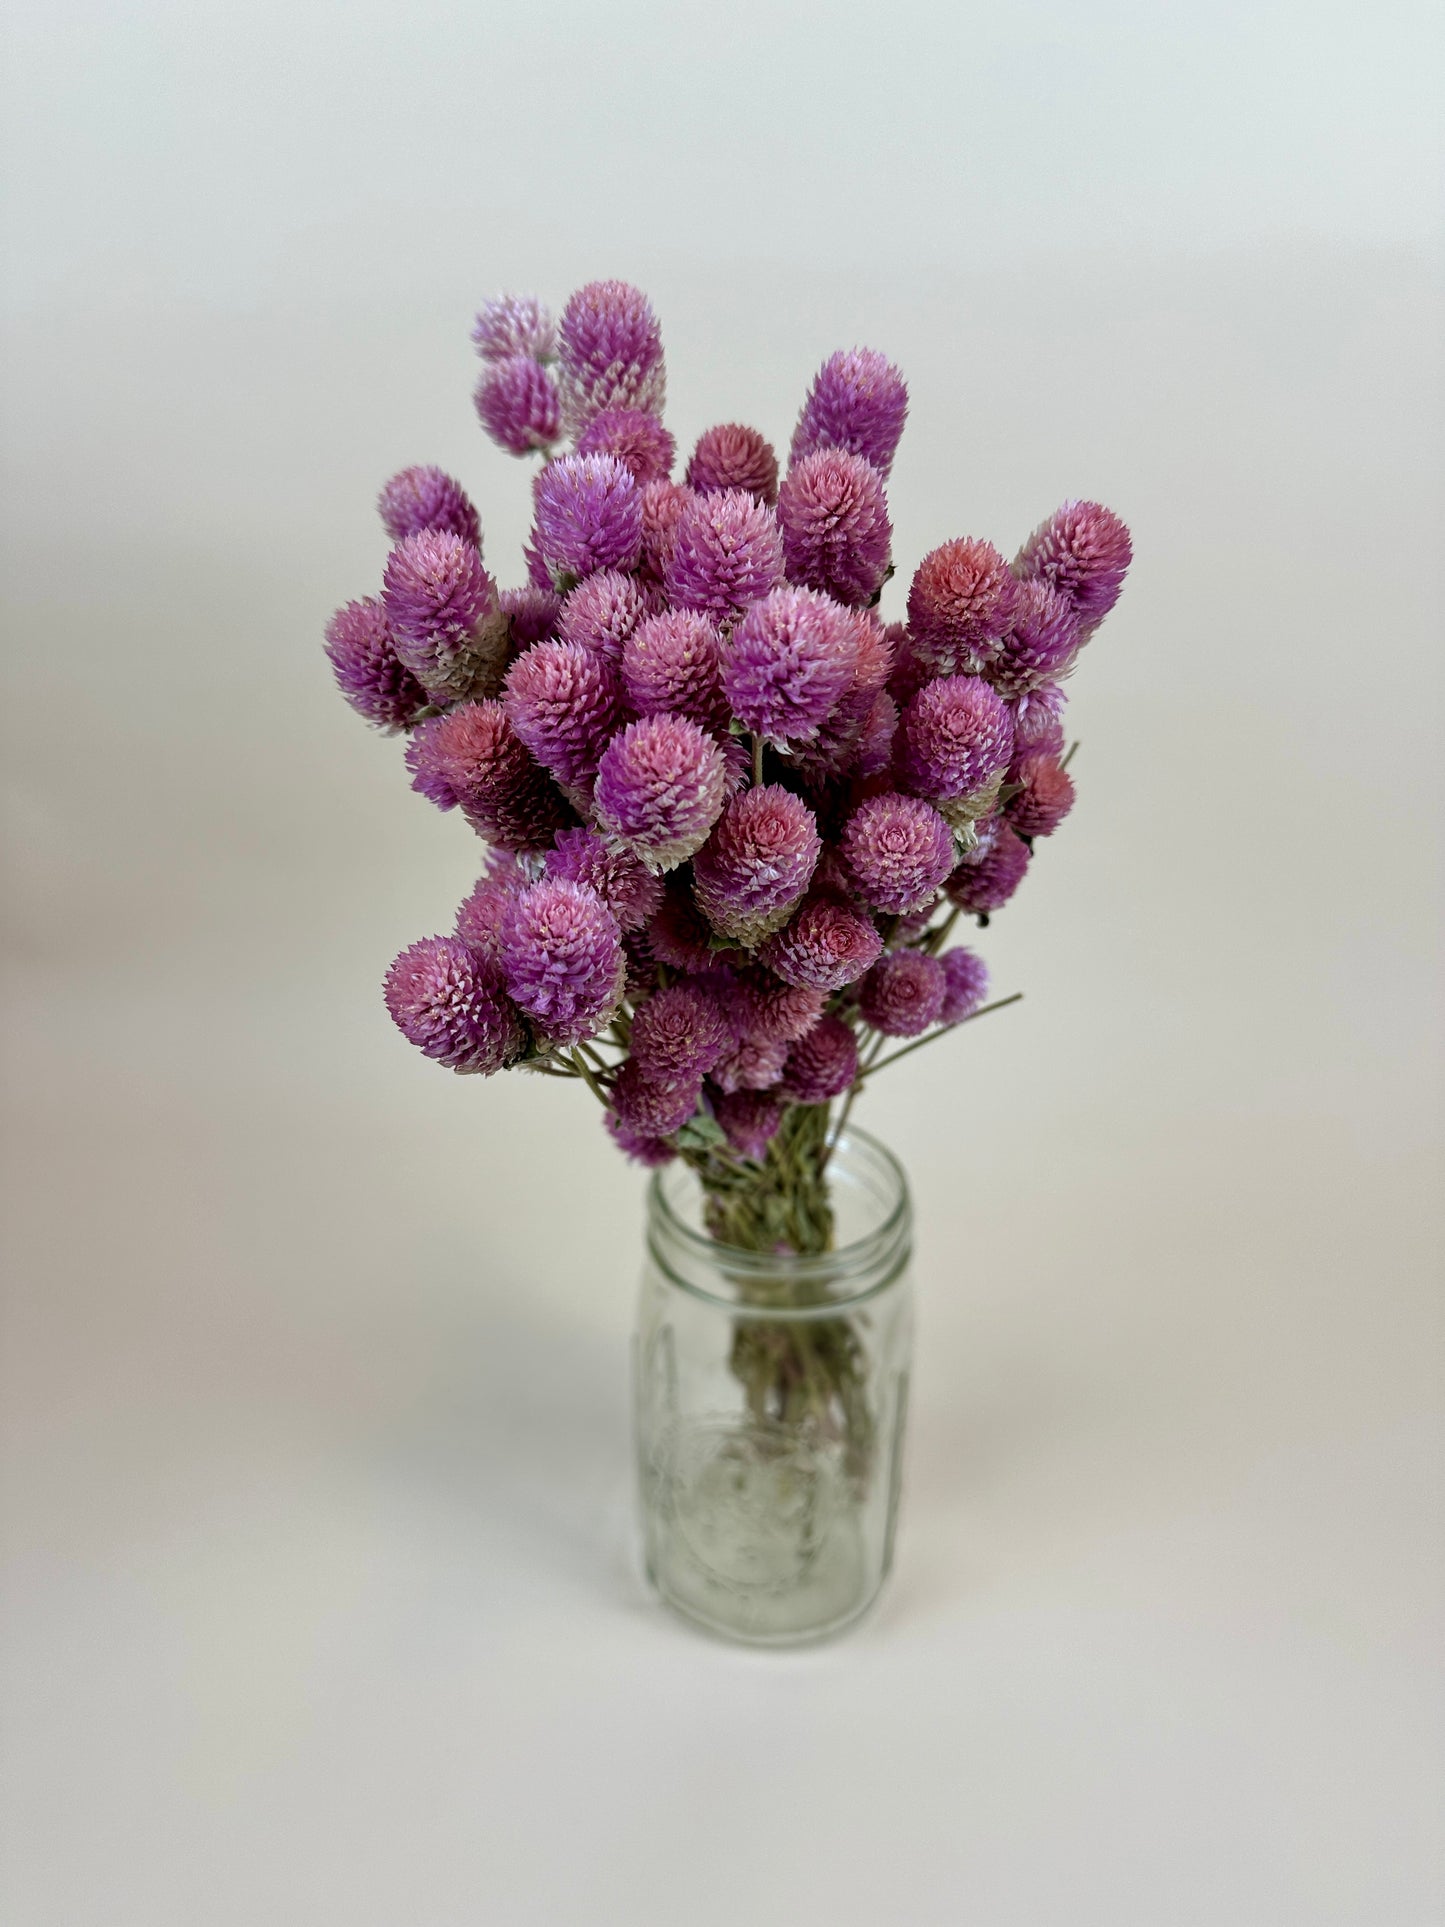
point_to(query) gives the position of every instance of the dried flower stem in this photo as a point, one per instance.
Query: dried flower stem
(879, 1064)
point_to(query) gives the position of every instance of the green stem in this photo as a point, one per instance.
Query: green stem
(584, 1071)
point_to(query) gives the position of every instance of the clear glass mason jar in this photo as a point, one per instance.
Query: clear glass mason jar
(771, 1393)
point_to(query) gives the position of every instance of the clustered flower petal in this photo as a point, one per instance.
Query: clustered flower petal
(602, 612)
(1084, 552)
(751, 1064)
(649, 1109)
(369, 673)
(958, 737)
(732, 456)
(561, 956)
(1045, 797)
(515, 324)
(589, 515)
(749, 1120)
(824, 946)
(662, 506)
(761, 1006)
(630, 891)
(903, 993)
(858, 401)
(821, 1064)
(427, 498)
(753, 870)
(965, 984)
(898, 850)
(562, 700)
(637, 1145)
(725, 551)
(788, 663)
(610, 349)
(1040, 644)
(637, 439)
(1039, 719)
(518, 403)
(483, 912)
(443, 998)
(470, 758)
(533, 613)
(960, 606)
(660, 788)
(836, 532)
(672, 666)
(679, 1034)
(439, 601)
(986, 879)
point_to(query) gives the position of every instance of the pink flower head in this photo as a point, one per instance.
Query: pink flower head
(960, 605)
(562, 957)
(679, 935)
(563, 701)
(1046, 797)
(903, 993)
(518, 404)
(824, 946)
(602, 612)
(632, 893)
(589, 515)
(649, 1151)
(762, 1007)
(443, 999)
(471, 758)
(836, 532)
(731, 456)
(426, 498)
(533, 613)
(908, 673)
(672, 666)
(638, 440)
(1041, 643)
(875, 744)
(986, 879)
(440, 602)
(858, 401)
(369, 673)
(1039, 720)
(958, 736)
(898, 850)
(822, 1064)
(749, 1120)
(662, 507)
(1084, 551)
(484, 911)
(726, 551)
(515, 324)
(678, 1035)
(965, 985)
(835, 750)
(660, 788)
(751, 1064)
(787, 664)
(652, 1110)
(611, 352)
(753, 870)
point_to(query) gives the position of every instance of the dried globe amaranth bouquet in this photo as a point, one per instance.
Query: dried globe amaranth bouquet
(733, 815)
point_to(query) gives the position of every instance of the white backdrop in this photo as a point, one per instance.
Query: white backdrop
(319, 1593)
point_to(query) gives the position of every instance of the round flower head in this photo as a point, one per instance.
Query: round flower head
(908, 673)
(444, 613)
(761, 1007)
(903, 993)
(518, 404)
(1039, 720)
(369, 673)
(443, 999)
(822, 1064)
(751, 1064)
(652, 1110)
(1084, 552)
(960, 605)
(632, 893)
(515, 324)
(660, 788)
(749, 1120)
(1041, 643)
(426, 498)
(751, 873)
(638, 440)
(835, 749)
(731, 456)
(467, 756)
(562, 958)
(672, 666)
(589, 515)
(836, 532)
(602, 612)
(485, 909)
(898, 850)
(965, 985)
(1046, 797)
(787, 664)
(725, 552)
(648, 1151)
(662, 506)
(679, 935)
(611, 352)
(875, 744)
(678, 1035)
(562, 700)
(824, 946)
(957, 738)
(985, 880)
(858, 401)
(532, 612)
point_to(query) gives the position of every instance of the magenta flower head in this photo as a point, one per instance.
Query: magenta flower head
(649, 1151)
(589, 515)
(1039, 719)
(515, 324)
(651, 1110)
(903, 993)
(678, 1035)
(788, 663)
(1041, 643)
(875, 742)
(760, 1006)
(562, 959)
(960, 605)
(672, 666)
(749, 1121)
(752, 872)
(836, 532)
(662, 507)
(822, 1064)
(965, 985)
(602, 612)
(443, 999)
(898, 850)
(679, 935)
(1084, 552)
(660, 788)
(445, 617)
(611, 352)
(518, 404)
(751, 1064)
(824, 946)
(957, 738)
(471, 758)
(725, 552)
(484, 911)
(1046, 797)
(858, 401)
(532, 612)
(731, 456)
(986, 879)
(426, 498)
(369, 673)
(563, 700)
(638, 440)
(633, 894)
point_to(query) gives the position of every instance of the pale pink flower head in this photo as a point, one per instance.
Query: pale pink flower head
(533, 613)
(985, 879)
(602, 612)
(788, 663)
(561, 954)
(825, 945)
(903, 993)
(631, 892)
(638, 440)
(610, 349)
(652, 1110)
(1046, 796)
(1084, 552)
(750, 1064)
(660, 788)
(427, 498)
(441, 603)
(369, 673)
(518, 403)
(1041, 643)
(725, 552)
(965, 984)
(589, 515)
(858, 401)
(515, 324)
(444, 999)
(957, 740)
(822, 1064)
(678, 1034)
(898, 850)
(960, 606)
(836, 532)
(749, 1121)
(563, 701)
(484, 911)
(672, 666)
(732, 456)
(662, 507)
(752, 872)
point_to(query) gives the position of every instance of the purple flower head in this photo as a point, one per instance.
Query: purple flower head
(960, 605)
(484, 911)
(726, 551)
(638, 440)
(1040, 645)
(632, 893)
(660, 788)
(751, 1064)
(965, 985)
(908, 673)
(898, 850)
(822, 1064)
(1039, 720)
(426, 498)
(787, 664)
(672, 666)
(533, 613)
(958, 736)
(824, 946)
(562, 956)
(518, 404)
(1046, 798)
(858, 401)
(762, 1007)
(468, 756)
(986, 879)
(752, 872)
(750, 1121)
(649, 1151)
(662, 507)
(369, 673)
(903, 993)
(875, 744)
(652, 1110)
(611, 352)
(515, 324)
(679, 935)
(731, 456)
(589, 515)
(678, 1035)
(1084, 551)
(836, 532)
(835, 750)
(602, 612)
(443, 999)
(440, 602)
(563, 700)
